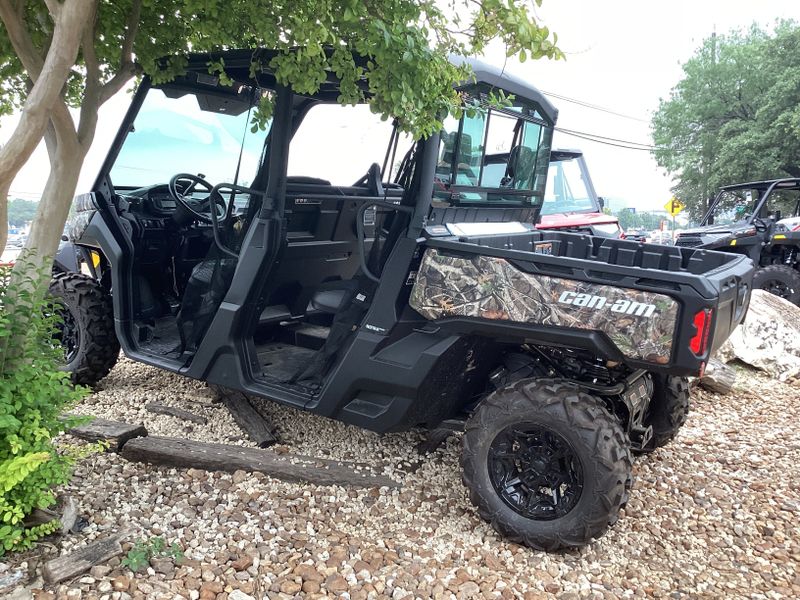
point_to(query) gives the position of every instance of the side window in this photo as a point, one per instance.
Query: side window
(461, 154)
(339, 143)
(783, 203)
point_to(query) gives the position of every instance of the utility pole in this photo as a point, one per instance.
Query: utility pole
(706, 143)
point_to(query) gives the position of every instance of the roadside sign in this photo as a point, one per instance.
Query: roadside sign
(674, 206)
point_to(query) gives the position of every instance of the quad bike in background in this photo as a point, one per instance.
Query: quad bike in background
(415, 293)
(761, 220)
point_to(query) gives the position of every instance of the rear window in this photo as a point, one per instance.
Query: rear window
(494, 156)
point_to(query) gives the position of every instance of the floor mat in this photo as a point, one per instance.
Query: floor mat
(282, 361)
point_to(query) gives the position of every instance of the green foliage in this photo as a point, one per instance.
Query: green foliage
(21, 212)
(139, 556)
(402, 46)
(629, 219)
(33, 395)
(735, 116)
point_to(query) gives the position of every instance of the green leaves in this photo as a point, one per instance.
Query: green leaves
(139, 556)
(406, 43)
(734, 115)
(33, 395)
(13, 471)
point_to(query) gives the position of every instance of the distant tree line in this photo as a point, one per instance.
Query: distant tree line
(21, 212)
(629, 219)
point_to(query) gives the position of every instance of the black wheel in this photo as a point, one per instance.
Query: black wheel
(546, 464)
(87, 332)
(668, 410)
(781, 280)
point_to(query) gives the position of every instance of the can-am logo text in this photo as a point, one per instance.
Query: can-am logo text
(626, 307)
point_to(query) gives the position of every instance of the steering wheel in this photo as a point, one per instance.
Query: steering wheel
(199, 209)
(760, 225)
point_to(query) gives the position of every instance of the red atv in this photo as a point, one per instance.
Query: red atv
(570, 202)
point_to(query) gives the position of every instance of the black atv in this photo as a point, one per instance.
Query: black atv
(760, 219)
(409, 296)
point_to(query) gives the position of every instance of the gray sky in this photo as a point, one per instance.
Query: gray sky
(621, 54)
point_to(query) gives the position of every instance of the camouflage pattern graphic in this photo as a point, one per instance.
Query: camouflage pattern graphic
(85, 208)
(641, 324)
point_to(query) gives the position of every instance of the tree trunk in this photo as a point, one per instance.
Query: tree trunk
(4, 215)
(51, 215)
(49, 77)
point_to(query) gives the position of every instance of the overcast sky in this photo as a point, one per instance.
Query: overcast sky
(621, 54)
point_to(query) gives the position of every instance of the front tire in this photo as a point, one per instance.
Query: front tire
(546, 464)
(781, 280)
(87, 333)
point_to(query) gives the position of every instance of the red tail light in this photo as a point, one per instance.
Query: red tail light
(702, 326)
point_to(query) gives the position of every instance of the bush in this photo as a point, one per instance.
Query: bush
(34, 394)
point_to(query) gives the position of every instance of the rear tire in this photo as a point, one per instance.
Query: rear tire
(90, 344)
(668, 410)
(546, 464)
(781, 280)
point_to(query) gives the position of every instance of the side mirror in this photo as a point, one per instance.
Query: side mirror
(601, 202)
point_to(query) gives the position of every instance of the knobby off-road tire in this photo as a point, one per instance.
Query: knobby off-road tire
(90, 344)
(668, 410)
(781, 280)
(577, 424)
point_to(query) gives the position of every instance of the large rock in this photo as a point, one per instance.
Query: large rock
(769, 338)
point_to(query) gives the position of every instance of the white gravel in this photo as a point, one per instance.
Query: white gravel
(714, 514)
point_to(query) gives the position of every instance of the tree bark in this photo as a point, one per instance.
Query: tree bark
(51, 214)
(48, 76)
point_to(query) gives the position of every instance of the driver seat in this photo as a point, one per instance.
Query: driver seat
(208, 283)
(204, 292)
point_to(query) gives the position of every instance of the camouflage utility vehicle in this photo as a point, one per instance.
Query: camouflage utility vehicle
(759, 219)
(411, 295)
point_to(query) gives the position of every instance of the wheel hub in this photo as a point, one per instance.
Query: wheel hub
(778, 288)
(68, 335)
(535, 471)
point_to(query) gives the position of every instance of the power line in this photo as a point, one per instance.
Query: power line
(607, 138)
(594, 106)
(608, 141)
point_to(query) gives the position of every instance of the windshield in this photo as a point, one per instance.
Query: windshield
(733, 206)
(174, 135)
(566, 190)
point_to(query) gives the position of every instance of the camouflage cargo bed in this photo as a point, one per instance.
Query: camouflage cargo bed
(656, 305)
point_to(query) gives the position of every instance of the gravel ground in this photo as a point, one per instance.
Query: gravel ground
(714, 514)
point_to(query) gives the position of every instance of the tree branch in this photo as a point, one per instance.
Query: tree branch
(131, 29)
(31, 58)
(48, 78)
(89, 53)
(127, 68)
(54, 6)
(115, 84)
